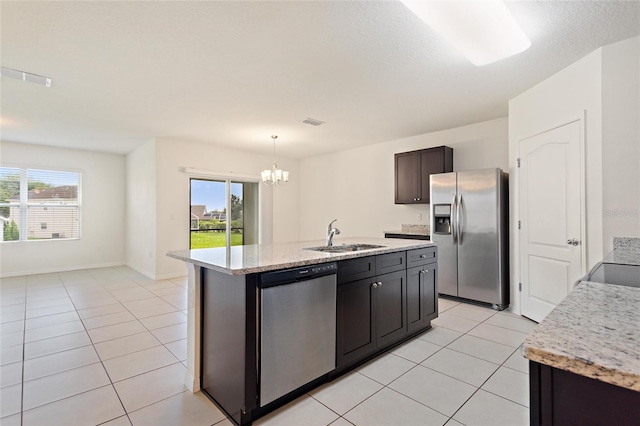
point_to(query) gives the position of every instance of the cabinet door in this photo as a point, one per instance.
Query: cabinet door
(421, 297)
(355, 321)
(407, 174)
(431, 161)
(390, 309)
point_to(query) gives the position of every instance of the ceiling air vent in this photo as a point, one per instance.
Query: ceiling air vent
(313, 121)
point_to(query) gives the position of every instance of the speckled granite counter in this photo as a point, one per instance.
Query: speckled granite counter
(595, 331)
(242, 260)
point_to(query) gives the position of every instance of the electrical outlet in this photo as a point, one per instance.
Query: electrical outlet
(419, 216)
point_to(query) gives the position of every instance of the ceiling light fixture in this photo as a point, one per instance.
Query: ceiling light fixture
(275, 176)
(25, 76)
(484, 31)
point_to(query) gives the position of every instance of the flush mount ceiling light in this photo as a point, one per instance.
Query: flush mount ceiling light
(25, 76)
(484, 31)
(275, 176)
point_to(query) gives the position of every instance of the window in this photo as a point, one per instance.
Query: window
(223, 213)
(39, 204)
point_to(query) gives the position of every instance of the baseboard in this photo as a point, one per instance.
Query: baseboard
(142, 271)
(60, 269)
(191, 383)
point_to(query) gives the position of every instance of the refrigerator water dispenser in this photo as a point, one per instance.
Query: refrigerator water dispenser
(442, 219)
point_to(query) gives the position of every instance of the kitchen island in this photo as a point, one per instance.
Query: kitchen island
(376, 298)
(585, 355)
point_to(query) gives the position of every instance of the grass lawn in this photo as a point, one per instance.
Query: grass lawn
(213, 239)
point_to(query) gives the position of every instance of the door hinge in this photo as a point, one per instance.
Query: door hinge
(519, 224)
(518, 162)
(519, 286)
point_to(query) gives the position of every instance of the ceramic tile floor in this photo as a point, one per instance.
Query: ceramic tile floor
(107, 346)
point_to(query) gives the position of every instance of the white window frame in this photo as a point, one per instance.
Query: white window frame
(24, 201)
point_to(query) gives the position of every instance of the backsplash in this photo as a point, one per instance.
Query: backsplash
(626, 244)
(415, 229)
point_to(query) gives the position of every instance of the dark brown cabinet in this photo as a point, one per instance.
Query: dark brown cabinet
(412, 171)
(422, 303)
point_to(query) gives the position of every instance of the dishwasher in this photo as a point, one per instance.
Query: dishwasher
(297, 328)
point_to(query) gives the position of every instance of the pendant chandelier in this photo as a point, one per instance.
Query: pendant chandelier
(275, 176)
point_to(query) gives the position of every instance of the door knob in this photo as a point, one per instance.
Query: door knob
(573, 242)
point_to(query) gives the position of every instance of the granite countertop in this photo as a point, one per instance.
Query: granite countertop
(248, 259)
(411, 230)
(595, 330)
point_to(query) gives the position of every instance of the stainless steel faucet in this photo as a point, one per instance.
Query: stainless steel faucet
(331, 232)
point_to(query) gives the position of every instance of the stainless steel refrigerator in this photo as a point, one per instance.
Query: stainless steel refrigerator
(469, 221)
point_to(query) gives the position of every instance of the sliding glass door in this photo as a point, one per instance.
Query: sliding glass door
(223, 213)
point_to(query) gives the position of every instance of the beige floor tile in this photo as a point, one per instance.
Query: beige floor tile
(109, 319)
(126, 345)
(171, 333)
(136, 363)
(10, 354)
(144, 303)
(185, 408)
(452, 422)
(481, 348)
(157, 285)
(303, 411)
(11, 316)
(164, 320)
(48, 303)
(50, 320)
(58, 362)
(10, 374)
(149, 388)
(31, 335)
(475, 313)
(486, 409)
(12, 307)
(62, 385)
(55, 293)
(120, 285)
(522, 325)
(91, 302)
(101, 310)
(341, 422)
(446, 304)
(518, 362)
(89, 408)
(386, 368)
(129, 294)
(178, 349)
(416, 350)
(435, 390)
(110, 332)
(12, 339)
(10, 400)
(168, 290)
(389, 407)
(177, 300)
(471, 370)
(344, 393)
(11, 327)
(51, 310)
(455, 323)
(56, 344)
(439, 335)
(15, 420)
(510, 384)
(120, 421)
(499, 335)
(142, 313)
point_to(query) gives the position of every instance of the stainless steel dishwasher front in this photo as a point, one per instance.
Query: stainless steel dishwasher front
(297, 328)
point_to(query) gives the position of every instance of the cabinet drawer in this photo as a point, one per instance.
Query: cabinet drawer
(356, 269)
(391, 262)
(421, 256)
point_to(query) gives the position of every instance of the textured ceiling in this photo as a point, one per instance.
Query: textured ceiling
(233, 73)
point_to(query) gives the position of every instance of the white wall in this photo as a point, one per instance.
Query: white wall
(620, 140)
(279, 206)
(561, 98)
(102, 241)
(141, 209)
(356, 186)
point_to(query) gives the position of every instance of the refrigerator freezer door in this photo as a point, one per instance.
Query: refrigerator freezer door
(479, 227)
(443, 191)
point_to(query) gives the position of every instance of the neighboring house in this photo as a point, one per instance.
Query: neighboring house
(216, 215)
(51, 212)
(198, 212)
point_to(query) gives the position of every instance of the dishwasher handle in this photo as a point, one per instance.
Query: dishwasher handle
(288, 276)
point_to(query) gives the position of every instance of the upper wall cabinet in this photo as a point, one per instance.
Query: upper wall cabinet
(412, 170)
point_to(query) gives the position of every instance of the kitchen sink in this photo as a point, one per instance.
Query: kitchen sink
(345, 248)
(615, 273)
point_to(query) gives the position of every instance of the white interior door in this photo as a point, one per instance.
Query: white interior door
(550, 210)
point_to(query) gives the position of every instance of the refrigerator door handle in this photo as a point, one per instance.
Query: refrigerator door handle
(454, 214)
(459, 219)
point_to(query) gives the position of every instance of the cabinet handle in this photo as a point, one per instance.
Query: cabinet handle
(423, 256)
(418, 199)
(380, 283)
(375, 285)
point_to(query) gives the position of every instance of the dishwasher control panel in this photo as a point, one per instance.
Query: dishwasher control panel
(286, 276)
